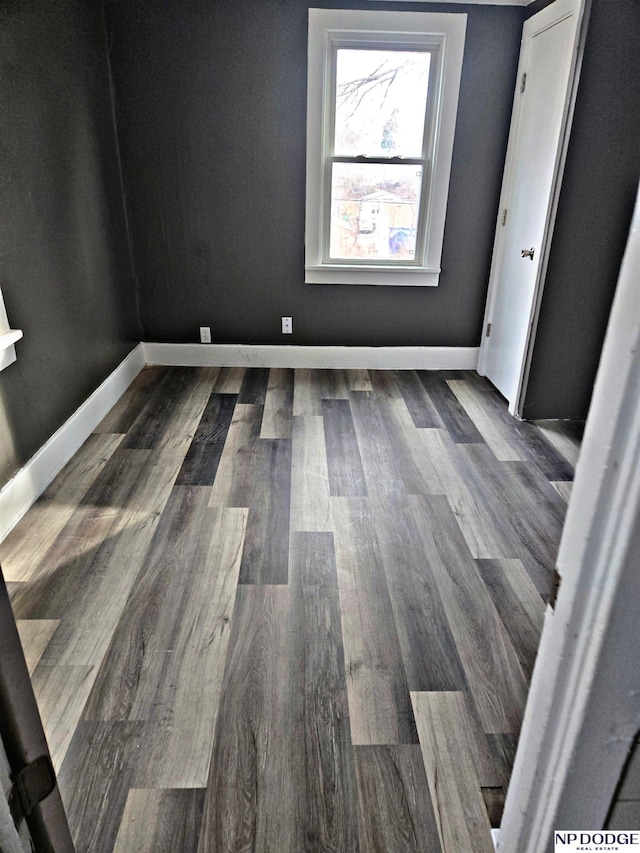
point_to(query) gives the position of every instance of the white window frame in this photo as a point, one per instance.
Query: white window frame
(444, 35)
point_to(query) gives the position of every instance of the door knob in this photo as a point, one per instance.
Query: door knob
(528, 253)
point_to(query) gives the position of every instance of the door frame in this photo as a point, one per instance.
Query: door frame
(583, 709)
(516, 405)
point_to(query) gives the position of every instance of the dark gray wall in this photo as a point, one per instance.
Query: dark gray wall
(596, 203)
(211, 109)
(65, 267)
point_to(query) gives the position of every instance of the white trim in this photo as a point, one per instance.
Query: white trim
(30, 481)
(363, 358)
(445, 30)
(584, 704)
(9, 338)
(400, 277)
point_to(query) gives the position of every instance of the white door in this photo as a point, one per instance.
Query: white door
(545, 75)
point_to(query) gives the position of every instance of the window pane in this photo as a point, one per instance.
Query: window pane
(381, 98)
(374, 211)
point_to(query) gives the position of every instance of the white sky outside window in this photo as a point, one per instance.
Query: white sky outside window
(381, 98)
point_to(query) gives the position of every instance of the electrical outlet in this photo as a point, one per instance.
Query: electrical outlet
(205, 334)
(287, 325)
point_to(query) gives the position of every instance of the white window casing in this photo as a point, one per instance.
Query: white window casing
(443, 35)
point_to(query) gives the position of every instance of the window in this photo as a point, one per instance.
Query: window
(382, 100)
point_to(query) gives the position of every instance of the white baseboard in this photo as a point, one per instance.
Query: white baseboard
(31, 480)
(250, 355)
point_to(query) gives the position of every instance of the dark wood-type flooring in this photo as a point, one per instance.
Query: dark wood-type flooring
(284, 611)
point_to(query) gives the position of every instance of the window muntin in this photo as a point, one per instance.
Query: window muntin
(378, 172)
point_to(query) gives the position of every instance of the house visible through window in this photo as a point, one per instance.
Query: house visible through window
(382, 99)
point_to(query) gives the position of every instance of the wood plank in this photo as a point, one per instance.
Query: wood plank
(502, 748)
(278, 405)
(423, 413)
(103, 762)
(188, 688)
(23, 549)
(160, 821)
(407, 552)
(469, 507)
(324, 770)
(432, 466)
(69, 563)
(121, 417)
(306, 399)
(232, 486)
(265, 558)
(461, 815)
(452, 414)
(532, 440)
(384, 385)
(379, 707)
(61, 693)
(382, 459)
(254, 386)
(229, 380)
(408, 444)
(344, 465)
(166, 659)
(56, 578)
(358, 380)
(527, 512)
(519, 605)
(526, 439)
(101, 587)
(312, 386)
(498, 435)
(248, 802)
(172, 414)
(566, 437)
(201, 463)
(35, 635)
(494, 675)
(395, 811)
(310, 510)
(494, 799)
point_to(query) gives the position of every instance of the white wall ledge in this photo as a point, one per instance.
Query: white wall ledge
(9, 338)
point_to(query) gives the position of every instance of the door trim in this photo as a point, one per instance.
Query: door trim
(584, 704)
(581, 7)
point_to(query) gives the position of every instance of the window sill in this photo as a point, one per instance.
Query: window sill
(9, 338)
(7, 348)
(397, 277)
